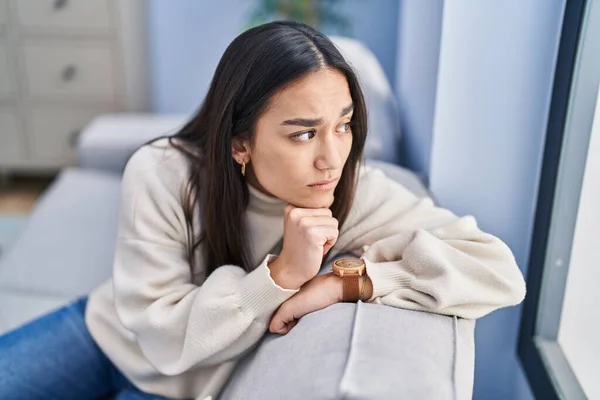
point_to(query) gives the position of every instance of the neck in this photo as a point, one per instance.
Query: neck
(263, 202)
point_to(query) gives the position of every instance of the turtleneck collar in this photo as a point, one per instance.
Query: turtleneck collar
(263, 203)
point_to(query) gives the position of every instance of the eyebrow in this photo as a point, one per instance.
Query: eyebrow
(307, 122)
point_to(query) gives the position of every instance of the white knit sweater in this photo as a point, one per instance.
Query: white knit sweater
(174, 332)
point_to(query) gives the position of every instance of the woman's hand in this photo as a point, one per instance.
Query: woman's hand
(318, 293)
(308, 234)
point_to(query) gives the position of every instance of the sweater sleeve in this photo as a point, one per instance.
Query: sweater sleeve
(178, 324)
(425, 258)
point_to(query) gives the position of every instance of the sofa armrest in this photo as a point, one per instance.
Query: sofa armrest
(361, 351)
(109, 140)
(409, 179)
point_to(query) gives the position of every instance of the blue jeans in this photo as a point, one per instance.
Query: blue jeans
(55, 357)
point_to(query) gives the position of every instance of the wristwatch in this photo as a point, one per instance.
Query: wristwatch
(350, 270)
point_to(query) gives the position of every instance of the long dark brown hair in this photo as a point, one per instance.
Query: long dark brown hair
(257, 64)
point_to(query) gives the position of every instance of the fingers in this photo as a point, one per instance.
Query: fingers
(328, 245)
(331, 236)
(289, 326)
(293, 212)
(318, 221)
(306, 233)
(280, 322)
(318, 224)
(278, 326)
(279, 319)
(321, 231)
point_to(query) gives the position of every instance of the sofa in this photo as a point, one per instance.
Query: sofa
(346, 351)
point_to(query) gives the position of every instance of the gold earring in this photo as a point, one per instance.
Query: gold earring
(243, 168)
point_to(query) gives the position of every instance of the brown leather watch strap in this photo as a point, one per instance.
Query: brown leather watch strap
(350, 291)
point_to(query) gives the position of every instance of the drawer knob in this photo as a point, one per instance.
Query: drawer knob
(74, 138)
(69, 73)
(58, 4)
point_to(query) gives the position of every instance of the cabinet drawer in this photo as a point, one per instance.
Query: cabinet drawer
(53, 132)
(84, 15)
(9, 136)
(70, 70)
(7, 86)
(3, 14)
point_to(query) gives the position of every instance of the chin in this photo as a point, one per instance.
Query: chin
(323, 201)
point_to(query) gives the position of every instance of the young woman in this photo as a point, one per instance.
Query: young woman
(274, 152)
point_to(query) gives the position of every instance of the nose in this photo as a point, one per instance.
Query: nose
(329, 154)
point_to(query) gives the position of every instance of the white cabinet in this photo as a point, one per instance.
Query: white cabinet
(7, 87)
(63, 63)
(69, 70)
(3, 12)
(55, 130)
(83, 15)
(9, 135)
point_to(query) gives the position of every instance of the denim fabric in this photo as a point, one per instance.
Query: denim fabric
(54, 357)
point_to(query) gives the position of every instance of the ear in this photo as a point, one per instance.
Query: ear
(240, 150)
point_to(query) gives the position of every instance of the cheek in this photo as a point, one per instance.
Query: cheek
(283, 170)
(348, 146)
(278, 168)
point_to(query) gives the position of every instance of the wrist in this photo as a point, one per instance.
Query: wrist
(281, 275)
(337, 286)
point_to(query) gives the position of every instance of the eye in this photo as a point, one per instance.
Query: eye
(304, 136)
(346, 127)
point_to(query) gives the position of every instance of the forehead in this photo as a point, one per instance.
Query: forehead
(315, 94)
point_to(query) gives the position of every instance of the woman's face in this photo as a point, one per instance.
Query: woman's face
(302, 141)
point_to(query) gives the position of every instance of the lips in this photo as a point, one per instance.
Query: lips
(324, 185)
(323, 182)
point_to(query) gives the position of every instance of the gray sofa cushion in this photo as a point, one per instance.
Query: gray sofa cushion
(361, 351)
(108, 142)
(68, 243)
(407, 178)
(307, 363)
(404, 354)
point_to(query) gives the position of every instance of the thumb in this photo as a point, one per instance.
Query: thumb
(280, 320)
(283, 328)
(276, 324)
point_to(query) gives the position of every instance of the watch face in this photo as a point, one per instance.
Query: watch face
(349, 263)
